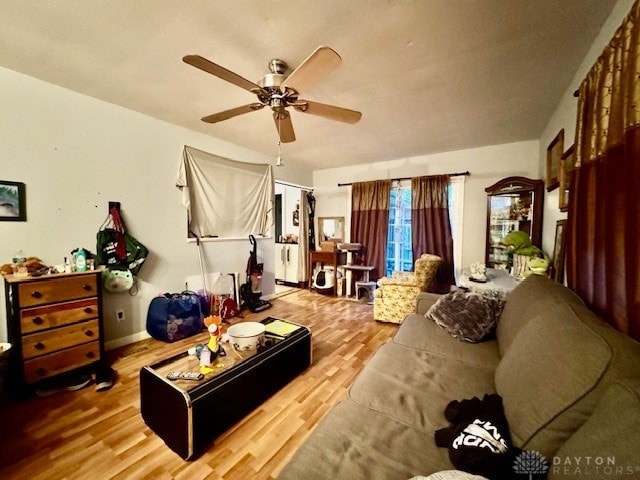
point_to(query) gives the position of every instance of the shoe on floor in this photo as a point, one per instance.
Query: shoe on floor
(69, 383)
(104, 378)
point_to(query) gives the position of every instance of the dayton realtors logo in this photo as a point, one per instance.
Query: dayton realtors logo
(594, 466)
(530, 463)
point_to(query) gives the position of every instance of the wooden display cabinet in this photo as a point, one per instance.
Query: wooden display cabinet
(513, 203)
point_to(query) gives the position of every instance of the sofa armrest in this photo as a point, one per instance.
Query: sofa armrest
(424, 302)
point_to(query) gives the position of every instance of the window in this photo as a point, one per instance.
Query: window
(399, 252)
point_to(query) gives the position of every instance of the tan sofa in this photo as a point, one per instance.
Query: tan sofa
(570, 385)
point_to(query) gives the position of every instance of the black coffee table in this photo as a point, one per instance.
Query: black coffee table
(188, 415)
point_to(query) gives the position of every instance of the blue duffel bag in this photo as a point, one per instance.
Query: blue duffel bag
(174, 316)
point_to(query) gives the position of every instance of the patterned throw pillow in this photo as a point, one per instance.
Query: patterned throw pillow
(467, 316)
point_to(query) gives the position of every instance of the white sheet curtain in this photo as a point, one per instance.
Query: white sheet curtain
(225, 198)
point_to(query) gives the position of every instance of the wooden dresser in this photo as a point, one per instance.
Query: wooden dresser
(54, 323)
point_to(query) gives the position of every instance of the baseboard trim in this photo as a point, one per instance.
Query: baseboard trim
(129, 339)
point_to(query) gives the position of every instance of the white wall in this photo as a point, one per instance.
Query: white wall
(487, 165)
(75, 154)
(565, 117)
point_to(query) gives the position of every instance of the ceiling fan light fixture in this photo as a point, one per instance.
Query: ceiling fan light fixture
(279, 90)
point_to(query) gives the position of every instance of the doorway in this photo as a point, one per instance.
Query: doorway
(291, 237)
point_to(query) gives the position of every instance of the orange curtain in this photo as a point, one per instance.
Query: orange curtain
(603, 255)
(431, 227)
(370, 222)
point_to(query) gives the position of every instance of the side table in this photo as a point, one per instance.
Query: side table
(498, 281)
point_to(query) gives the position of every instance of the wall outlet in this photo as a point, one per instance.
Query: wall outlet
(119, 315)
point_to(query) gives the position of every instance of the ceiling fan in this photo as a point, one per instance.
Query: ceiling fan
(279, 91)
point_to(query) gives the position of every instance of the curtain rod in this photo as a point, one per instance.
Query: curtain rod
(288, 184)
(457, 174)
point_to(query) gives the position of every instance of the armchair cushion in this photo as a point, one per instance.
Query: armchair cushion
(467, 316)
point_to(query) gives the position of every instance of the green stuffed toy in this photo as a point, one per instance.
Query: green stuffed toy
(520, 244)
(537, 266)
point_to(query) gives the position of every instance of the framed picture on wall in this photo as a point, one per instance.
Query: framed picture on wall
(567, 163)
(13, 206)
(558, 251)
(554, 155)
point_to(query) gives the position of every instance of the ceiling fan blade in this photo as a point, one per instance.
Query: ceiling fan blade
(322, 61)
(220, 72)
(284, 126)
(328, 111)
(218, 117)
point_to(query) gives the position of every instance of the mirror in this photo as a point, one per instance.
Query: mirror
(514, 203)
(330, 229)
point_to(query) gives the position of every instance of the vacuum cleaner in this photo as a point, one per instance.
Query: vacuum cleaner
(251, 290)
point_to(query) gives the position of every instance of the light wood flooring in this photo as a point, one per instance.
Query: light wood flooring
(101, 435)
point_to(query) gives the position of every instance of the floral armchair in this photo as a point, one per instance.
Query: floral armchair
(395, 297)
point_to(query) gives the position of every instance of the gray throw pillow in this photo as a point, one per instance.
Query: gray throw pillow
(467, 316)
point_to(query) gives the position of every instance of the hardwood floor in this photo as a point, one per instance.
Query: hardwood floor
(101, 435)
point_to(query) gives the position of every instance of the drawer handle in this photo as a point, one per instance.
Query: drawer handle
(36, 294)
(88, 333)
(87, 287)
(38, 320)
(41, 371)
(91, 355)
(88, 310)
(40, 346)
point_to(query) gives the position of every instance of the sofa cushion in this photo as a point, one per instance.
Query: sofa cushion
(608, 442)
(422, 333)
(466, 316)
(414, 386)
(352, 442)
(534, 296)
(550, 366)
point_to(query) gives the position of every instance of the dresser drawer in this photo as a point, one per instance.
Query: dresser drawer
(48, 365)
(57, 315)
(43, 343)
(57, 290)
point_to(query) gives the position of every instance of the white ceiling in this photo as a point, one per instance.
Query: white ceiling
(428, 75)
